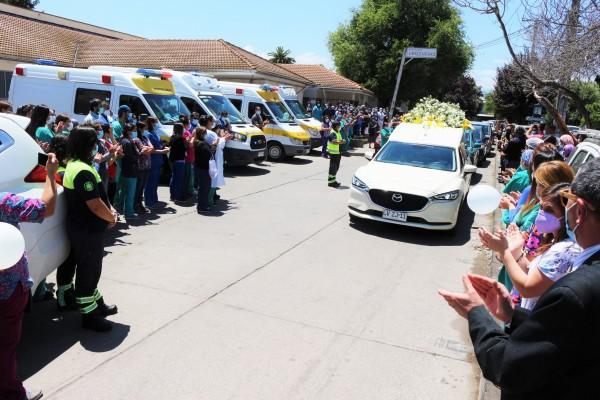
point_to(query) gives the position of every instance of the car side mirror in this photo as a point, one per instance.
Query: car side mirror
(470, 169)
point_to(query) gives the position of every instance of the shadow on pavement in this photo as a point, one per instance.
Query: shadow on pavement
(457, 237)
(249, 170)
(297, 161)
(48, 333)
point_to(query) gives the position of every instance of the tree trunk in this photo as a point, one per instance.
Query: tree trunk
(562, 125)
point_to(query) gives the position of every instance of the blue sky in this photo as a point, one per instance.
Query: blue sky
(262, 25)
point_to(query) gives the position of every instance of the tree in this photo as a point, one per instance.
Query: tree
(511, 97)
(564, 37)
(30, 4)
(369, 47)
(281, 56)
(465, 92)
(590, 94)
(489, 104)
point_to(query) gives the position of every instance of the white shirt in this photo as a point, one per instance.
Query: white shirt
(585, 254)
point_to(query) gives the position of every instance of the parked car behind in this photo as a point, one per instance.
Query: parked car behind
(586, 150)
(46, 243)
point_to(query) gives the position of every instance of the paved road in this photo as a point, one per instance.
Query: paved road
(276, 297)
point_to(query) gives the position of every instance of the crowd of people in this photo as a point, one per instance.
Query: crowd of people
(355, 121)
(108, 165)
(546, 290)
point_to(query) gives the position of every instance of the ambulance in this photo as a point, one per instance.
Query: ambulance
(285, 138)
(200, 93)
(69, 90)
(311, 125)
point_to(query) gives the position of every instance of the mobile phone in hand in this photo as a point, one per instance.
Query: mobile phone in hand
(42, 159)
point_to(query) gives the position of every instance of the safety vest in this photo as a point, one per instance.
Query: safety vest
(74, 167)
(333, 148)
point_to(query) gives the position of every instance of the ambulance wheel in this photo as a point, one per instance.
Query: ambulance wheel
(276, 152)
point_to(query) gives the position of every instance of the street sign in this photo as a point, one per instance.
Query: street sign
(421, 52)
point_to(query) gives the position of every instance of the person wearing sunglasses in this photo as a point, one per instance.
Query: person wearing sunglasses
(551, 351)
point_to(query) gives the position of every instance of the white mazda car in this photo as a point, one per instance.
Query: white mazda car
(419, 178)
(46, 243)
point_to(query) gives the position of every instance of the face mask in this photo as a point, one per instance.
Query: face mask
(547, 223)
(95, 150)
(134, 135)
(194, 122)
(106, 113)
(101, 110)
(52, 119)
(69, 127)
(570, 231)
(100, 134)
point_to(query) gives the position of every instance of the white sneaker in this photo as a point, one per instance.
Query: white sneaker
(33, 394)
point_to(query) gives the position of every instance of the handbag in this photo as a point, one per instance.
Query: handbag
(213, 169)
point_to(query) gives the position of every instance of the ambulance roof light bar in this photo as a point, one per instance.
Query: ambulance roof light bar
(154, 73)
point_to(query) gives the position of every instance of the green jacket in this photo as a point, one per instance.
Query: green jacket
(519, 181)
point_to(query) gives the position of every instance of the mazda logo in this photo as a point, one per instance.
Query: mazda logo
(397, 197)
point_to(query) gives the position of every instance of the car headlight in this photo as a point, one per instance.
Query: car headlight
(239, 137)
(314, 133)
(448, 196)
(360, 185)
(296, 141)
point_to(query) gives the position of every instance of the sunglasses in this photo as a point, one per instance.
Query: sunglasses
(566, 195)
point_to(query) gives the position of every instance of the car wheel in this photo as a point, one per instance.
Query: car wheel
(276, 152)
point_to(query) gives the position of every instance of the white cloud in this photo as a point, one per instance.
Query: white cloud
(486, 78)
(251, 49)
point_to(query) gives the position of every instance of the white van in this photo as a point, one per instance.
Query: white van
(201, 94)
(69, 90)
(311, 125)
(285, 138)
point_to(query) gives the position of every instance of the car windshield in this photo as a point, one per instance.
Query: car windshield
(279, 111)
(166, 107)
(478, 133)
(216, 104)
(297, 108)
(418, 155)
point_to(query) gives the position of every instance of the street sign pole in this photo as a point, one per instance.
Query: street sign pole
(393, 105)
(411, 53)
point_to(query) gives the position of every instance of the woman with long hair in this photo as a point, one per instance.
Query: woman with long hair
(202, 158)
(37, 128)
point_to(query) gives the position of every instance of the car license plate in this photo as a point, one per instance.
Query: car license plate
(261, 154)
(394, 215)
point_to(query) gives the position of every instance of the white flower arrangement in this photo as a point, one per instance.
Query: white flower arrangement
(433, 112)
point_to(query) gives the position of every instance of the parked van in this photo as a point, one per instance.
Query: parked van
(311, 125)
(69, 90)
(200, 93)
(285, 138)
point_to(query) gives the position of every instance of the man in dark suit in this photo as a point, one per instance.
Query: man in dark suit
(552, 352)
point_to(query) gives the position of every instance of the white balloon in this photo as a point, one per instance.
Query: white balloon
(483, 199)
(12, 245)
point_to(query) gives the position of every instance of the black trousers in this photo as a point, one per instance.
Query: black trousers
(88, 250)
(334, 166)
(203, 181)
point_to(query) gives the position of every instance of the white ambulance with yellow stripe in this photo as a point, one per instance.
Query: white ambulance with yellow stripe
(311, 125)
(285, 137)
(69, 90)
(201, 93)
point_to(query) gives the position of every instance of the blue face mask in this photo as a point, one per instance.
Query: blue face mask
(101, 110)
(134, 135)
(95, 150)
(100, 134)
(570, 232)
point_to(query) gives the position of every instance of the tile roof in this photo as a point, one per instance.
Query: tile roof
(25, 40)
(205, 55)
(323, 77)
